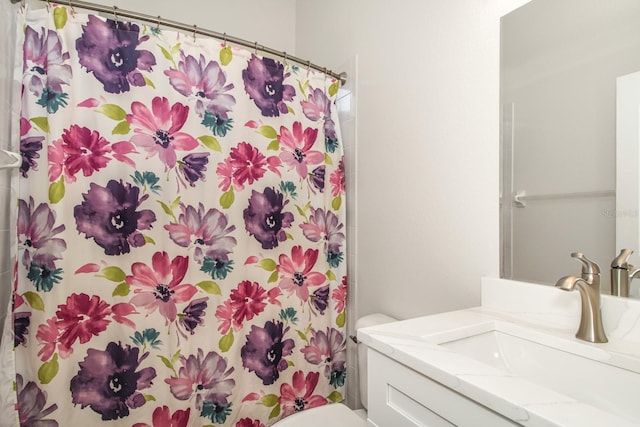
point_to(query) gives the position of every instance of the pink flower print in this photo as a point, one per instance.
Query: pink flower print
(120, 151)
(55, 153)
(204, 376)
(248, 163)
(295, 272)
(224, 313)
(84, 150)
(337, 180)
(158, 131)
(159, 287)
(224, 171)
(244, 164)
(296, 148)
(298, 395)
(81, 318)
(247, 300)
(248, 422)
(47, 336)
(339, 295)
(162, 417)
(204, 82)
(206, 232)
(81, 148)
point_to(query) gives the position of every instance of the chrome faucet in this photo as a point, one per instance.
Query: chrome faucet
(588, 285)
(622, 273)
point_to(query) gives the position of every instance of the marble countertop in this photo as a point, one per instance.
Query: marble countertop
(538, 312)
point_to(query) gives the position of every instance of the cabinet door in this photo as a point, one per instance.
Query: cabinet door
(401, 397)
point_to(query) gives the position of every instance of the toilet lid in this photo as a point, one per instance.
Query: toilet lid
(337, 414)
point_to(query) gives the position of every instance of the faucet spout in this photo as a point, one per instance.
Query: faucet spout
(588, 285)
(621, 274)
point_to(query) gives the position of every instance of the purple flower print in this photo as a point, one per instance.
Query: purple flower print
(40, 249)
(317, 178)
(193, 166)
(31, 405)
(108, 381)
(109, 215)
(329, 349)
(206, 376)
(108, 50)
(316, 106)
(324, 226)
(205, 83)
(320, 299)
(193, 315)
(44, 69)
(206, 232)
(330, 135)
(30, 147)
(264, 218)
(36, 235)
(21, 322)
(264, 82)
(265, 350)
(158, 131)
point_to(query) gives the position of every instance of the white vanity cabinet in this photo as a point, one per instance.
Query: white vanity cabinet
(402, 397)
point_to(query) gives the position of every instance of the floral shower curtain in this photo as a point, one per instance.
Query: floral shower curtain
(181, 249)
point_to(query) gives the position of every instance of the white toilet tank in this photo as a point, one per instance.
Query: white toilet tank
(363, 322)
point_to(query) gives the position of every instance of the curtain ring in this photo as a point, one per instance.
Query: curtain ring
(308, 66)
(115, 15)
(284, 57)
(195, 28)
(224, 40)
(158, 23)
(73, 11)
(48, 5)
(256, 48)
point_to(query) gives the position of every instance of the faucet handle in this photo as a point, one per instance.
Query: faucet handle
(588, 266)
(621, 260)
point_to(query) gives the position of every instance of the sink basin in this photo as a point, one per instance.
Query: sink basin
(577, 370)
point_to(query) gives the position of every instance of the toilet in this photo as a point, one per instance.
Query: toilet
(339, 414)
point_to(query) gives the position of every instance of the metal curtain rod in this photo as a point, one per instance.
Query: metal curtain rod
(117, 12)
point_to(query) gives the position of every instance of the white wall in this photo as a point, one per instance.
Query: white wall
(428, 144)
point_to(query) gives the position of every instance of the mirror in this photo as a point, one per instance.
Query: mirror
(561, 62)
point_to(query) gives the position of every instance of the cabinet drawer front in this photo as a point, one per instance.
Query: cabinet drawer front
(401, 397)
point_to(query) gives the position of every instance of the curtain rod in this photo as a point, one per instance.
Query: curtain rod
(117, 12)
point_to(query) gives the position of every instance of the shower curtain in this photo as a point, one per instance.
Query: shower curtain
(180, 256)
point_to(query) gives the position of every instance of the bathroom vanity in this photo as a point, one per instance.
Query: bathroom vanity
(512, 361)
